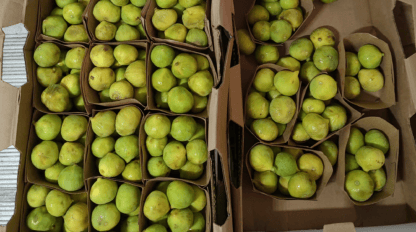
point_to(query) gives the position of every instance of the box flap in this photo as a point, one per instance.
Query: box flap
(340, 227)
(12, 12)
(410, 64)
(9, 107)
(222, 13)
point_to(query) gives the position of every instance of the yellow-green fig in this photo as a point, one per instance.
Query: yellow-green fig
(132, 171)
(311, 105)
(261, 158)
(308, 71)
(289, 4)
(351, 163)
(257, 106)
(161, 100)
(157, 167)
(106, 11)
(155, 146)
(105, 217)
(272, 94)
(282, 109)
(156, 206)
(263, 81)
(312, 165)
(103, 123)
(371, 80)
(47, 55)
(76, 218)
(287, 82)
(44, 155)
(136, 73)
(257, 13)
(57, 11)
(370, 56)
(199, 132)
(71, 83)
(54, 26)
(359, 185)
(322, 37)
(301, 186)
(163, 80)
(71, 178)
(120, 2)
(130, 224)
(127, 120)
(75, 57)
(125, 54)
(355, 141)
(73, 127)
(194, 17)
(266, 54)
(48, 76)
(164, 18)
(163, 186)
(180, 100)
(140, 94)
(198, 224)
(293, 16)
(103, 191)
(180, 220)
(102, 145)
(131, 14)
(353, 64)
(52, 173)
(40, 220)
(72, 13)
(128, 198)
(183, 128)
(174, 155)
(36, 195)
(316, 126)
(56, 98)
(283, 185)
(265, 181)
(71, 153)
(245, 44)
(196, 151)
(201, 83)
(127, 147)
(325, 58)
(180, 195)
(197, 37)
(301, 49)
(261, 30)
(273, 8)
(330, 150)
(200, 104)
(57, 203)
(266, 129)
(184, 65)
(105, 95)
(280, 30)
(157, 126)
(379, 178)
(323, 87)
(111, 165)
(299, 133)
(102, 56)
(162, 56)
(191, 171)
(370, 158)
(284, 164)
(377, 139)
(105, 31)
(48, 126)
(155, 228)
(352, 87)
(120, 90)
(290, 63)
(337, 116)
(176, 32)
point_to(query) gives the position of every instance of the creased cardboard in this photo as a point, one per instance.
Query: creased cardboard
(152, 31)
(289, 127)
(91, 165)
(205, 177)
(150, 68)
(411, 74)
(92, 23)
(151, 185)
(383, 98)
(45, 9)
(390, 166)
(27, 209)
(90, 95)
(38, 89)
(307, 7)
(91, 205)
(352, 116)
(36, 176)
(320, 183)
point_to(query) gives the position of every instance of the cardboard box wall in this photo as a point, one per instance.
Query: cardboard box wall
(264, 214)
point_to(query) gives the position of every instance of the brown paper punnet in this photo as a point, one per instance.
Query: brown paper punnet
(392, 157)
(151, 185)
(26, 209)
(45, 9)
(289, 127)
(152, 31)
(150, 68)
(307, 9)
(383, 98)
(91, 205)
(92, 23)
(320, 183)
(90, 167)
(352, 116)
(38, 89)
(37, 176)
(90, 95)
(205, 177)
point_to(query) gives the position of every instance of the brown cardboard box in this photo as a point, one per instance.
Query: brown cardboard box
(91, 97)
(151, 185)
(144, 157)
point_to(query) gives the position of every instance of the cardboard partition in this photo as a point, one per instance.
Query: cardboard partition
(92, 205)
(383, 98)
(152, 31)
(26, 209)
(45, 9)
(392, 157)
(411, 77)
(38, 89)
(37, 176)
(352, 116)
(90, 95)
(289, 127)
(307, 9)
(151, 185)
(91, 162)
(151, 103)
(202, 181)
(320, 183)
(91, 23)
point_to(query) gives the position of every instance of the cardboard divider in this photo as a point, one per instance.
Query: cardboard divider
(151, 185)
(92, 205)
(90, 95)
(152, 31)
(352, 116)
(92, 23)
(410, 63)
(45, 9)
(320, 183)
(91, 165)
(37, 176)
(392, 157)
(26, 209)
(307, 7)
(289, 127)
(205, 177)
(383, 98)
(38, 89)
(150, 68)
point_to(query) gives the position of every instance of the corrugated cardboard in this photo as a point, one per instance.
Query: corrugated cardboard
(202, 181)
(392, 157)
(151, 104)
(34, 175)
(38, 89)
(92, 23)
(45, 9)
(90, 95)
(307, 10)
(383, 98)
(288, 131)
(151, 185)
(91, 167)
(92, 205)
(320, 183)
(152, 31)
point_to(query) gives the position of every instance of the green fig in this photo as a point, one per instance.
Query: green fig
(337, 116)
(73, 127)
(76, 218)
(48, 126)
(180, 195)
(352, 87)
(266, 54)
(128, 198)
(194, 17)
(54, 26)
(71, 83)
(180, 220)
(201, 83)
(353, 64)
(184, 65)
(316, 126)
(72, 13)
(102, 145)
(261, 30)
(36, 195)
(162, 56)
(71, 178)
(75, 57)
(164, 18)
(261, 158)
(180, 100)
(111, 165)
(370, 56)
(371, 80)
(287, 82)
(293, 16)
(174, 155)
(157, 167)
(105, 217)
(308, 71)
(132, 171)
(280, 31)
(157, 126)
(47, 55)
(106, 11)
(282, 109)
(136, 73)
(76, 33)
(156, 206)
(57, 203)
(322, 37)
(325, 58)
(103, 191)
(183, 128)
(71, 153)
(265, 181)
(40, 220)
(323, 87)
(301, 49)
(355, 141)
(131, 14)
(191, 171)
(105, 31)
(44, 155)
(127, 147)
(197, 37)
(177, 32)
(256, 14)
(290, 63)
